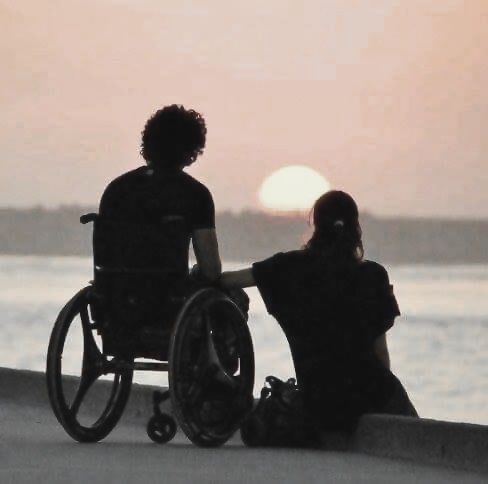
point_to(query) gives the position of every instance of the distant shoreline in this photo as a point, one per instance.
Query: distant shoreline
(397, 265)
(250, 236)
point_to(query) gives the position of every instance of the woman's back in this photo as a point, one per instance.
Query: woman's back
(331, 313)
(334, 308)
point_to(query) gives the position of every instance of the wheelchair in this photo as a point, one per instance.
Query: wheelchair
(140, 306)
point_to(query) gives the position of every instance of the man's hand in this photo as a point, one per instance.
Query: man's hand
(195, 273)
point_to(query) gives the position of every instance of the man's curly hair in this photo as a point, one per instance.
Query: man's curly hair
(173, 136)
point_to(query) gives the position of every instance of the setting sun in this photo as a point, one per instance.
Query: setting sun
(292, 188)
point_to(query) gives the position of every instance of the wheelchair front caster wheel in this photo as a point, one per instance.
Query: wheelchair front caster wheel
(161, 428)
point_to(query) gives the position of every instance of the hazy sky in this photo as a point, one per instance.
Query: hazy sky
(386, 98)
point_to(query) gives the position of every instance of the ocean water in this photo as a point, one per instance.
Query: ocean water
(438, 347)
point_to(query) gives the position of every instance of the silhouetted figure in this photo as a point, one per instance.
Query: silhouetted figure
(172, 139)
(335, 309)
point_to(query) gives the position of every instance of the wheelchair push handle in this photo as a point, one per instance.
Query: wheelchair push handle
(88, 217)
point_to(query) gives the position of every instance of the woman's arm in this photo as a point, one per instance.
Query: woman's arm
(206, 250)
(381, 350)
(233, 279)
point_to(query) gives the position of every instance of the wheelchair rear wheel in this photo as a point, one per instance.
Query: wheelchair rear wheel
(68, 395)
(211, 368)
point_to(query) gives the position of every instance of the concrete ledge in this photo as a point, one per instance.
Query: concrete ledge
(455, 445)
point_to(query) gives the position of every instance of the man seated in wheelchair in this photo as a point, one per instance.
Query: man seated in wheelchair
(147, 218)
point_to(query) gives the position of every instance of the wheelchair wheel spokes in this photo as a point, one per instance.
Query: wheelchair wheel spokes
(88, 408)
(213, 368)
(93, 362)
(93, 359)
(208, 402)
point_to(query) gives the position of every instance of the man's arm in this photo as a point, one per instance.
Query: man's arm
(234, 279)
(381, 350)
(206, 250)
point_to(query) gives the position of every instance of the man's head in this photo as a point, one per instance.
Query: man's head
(173, 137)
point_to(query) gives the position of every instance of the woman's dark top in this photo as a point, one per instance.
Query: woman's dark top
(331, 314)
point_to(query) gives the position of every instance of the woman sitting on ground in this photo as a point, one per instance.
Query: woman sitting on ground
(335, 309)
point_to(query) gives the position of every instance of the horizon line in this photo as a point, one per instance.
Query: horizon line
(288, 214)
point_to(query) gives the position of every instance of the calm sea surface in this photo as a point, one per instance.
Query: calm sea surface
(438, 347)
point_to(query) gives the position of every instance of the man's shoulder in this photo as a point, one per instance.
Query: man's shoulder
(193, 183)
(128, 177)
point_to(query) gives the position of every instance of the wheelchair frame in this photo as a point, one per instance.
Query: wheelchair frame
(192, 387)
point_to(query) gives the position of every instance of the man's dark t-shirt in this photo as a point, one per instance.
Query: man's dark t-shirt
(331, 314)
(144, 195)
(147, 196)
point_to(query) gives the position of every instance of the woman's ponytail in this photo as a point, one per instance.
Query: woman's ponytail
(337, 233)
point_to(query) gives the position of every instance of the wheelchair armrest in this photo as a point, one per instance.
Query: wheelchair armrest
(88, 217)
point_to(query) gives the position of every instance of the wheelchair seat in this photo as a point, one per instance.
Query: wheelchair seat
(140, 283)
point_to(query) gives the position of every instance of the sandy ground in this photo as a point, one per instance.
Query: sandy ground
(34, 448)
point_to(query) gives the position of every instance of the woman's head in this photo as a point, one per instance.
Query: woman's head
(337, 231)
(173, 137)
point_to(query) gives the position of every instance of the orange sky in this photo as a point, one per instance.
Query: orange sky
(386, 98)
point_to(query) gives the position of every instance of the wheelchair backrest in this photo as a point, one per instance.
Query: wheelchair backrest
(131, 247)
(140, 269)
